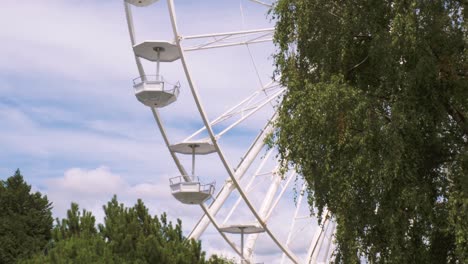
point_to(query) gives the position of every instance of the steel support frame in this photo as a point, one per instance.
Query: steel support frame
(240, 43)
(268, 206)
(227, 39)
(314, 248)
(204, 117)
(248, 187)
(295, 217)
(245, 108)
(245, 116)
(233, 33)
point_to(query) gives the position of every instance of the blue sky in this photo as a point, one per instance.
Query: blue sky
(70, 121)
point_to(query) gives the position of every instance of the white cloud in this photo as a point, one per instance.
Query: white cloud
(92, 188)
(90, 182)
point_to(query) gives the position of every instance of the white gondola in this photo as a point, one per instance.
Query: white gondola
(140, 3)
(189, 189)
(153, 90)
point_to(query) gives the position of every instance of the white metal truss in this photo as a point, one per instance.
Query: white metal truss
(269, 204)
(228, 39)
(295, 217)
(227, 121)
(244, 109)
(250, 185)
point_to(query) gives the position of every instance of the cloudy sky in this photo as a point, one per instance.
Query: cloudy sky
(70, 122)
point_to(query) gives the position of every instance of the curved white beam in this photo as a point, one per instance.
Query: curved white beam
(262, 3)
(181, 168)
(131, 31)
(328, 257)
(204, 117)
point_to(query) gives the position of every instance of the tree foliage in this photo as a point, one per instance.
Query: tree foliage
(127, 235)
(25, 219)
(75, 225)
(134, 234)
(376, 120)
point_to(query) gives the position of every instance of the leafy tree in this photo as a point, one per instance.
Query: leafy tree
(375, 119)
(25, 219)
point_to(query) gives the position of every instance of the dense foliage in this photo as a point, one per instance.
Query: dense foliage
(25, 219)
(376, 120)
(128, 235)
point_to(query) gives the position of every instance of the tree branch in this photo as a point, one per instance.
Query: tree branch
(458, 116)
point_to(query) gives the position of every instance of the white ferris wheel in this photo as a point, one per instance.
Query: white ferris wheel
(254, 208)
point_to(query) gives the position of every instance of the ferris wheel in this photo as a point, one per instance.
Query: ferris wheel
(253, 197)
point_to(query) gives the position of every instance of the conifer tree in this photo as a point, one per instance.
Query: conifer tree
(25, 219)
(76, 224)
(127, 235)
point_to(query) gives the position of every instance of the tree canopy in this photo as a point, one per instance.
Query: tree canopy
(127, 235)
(375, 119)
(25, 219)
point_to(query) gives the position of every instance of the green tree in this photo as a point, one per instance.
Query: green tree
(128, 235)
(76, 249)
(375, 119)
(76, 224)
(25, 219)
(133, 233)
